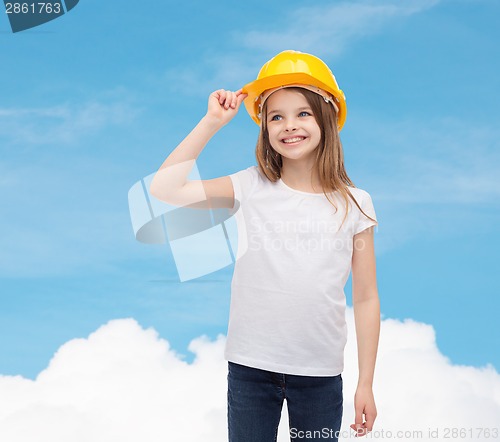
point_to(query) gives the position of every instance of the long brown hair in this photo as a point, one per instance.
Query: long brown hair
(329, 161)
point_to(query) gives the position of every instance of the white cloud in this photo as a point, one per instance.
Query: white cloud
(325, 31)
(54, 208)
(61, 123)
(329, 29)
(124, 383)
(446, 160)
(228, 70)
(437, 179)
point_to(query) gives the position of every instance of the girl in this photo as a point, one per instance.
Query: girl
(302, 226)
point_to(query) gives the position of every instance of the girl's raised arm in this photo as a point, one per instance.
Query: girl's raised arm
(170, 184)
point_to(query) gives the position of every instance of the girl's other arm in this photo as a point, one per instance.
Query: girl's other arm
(170, 184)
(366, 306)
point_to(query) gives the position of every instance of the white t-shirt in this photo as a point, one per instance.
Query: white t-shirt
(287, 311)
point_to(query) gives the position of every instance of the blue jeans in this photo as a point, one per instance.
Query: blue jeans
(255, 399)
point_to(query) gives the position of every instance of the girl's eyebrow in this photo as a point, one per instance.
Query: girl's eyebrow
(275, 111)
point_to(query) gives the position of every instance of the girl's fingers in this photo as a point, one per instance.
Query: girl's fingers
(235, 100)
(241, 97)
(222, 96)
(228, 99)
(370, 419)
(238, 98)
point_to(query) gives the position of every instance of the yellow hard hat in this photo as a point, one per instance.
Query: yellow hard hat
(294, 68)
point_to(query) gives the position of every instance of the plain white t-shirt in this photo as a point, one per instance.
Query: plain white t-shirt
(287, 312)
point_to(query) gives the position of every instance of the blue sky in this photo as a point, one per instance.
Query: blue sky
(95, 100)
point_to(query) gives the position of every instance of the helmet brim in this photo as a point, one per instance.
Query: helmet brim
(255, 88)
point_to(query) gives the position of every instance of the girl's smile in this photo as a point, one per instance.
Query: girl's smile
(293, 140)
(292, 128)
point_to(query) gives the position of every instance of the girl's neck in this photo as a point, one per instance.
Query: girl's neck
(301, 177)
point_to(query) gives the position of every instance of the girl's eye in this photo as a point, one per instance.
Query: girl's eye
(275, 117)
(304, 112)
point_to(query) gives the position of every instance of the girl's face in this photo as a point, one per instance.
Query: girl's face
(292, 128)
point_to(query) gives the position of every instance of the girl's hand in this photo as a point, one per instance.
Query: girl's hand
(364, 404)
(224, 105)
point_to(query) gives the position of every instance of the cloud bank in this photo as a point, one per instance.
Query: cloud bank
(326, 31)
(124, 383)
(63, 123)
(330, 29)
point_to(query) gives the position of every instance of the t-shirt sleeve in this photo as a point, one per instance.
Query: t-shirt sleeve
(365, 202)
(244, 182)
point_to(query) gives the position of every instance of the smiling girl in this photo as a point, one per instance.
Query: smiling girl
(287, 328)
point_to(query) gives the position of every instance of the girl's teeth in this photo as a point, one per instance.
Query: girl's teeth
(293, 140)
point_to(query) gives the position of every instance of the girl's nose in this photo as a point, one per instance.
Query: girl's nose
(291, 124)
